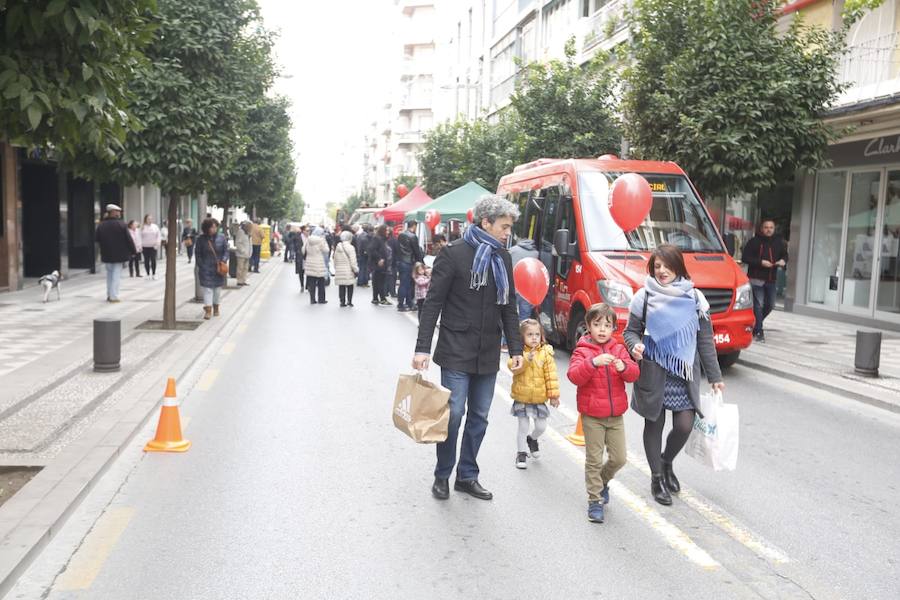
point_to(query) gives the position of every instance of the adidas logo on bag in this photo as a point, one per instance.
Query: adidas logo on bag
(402, 409)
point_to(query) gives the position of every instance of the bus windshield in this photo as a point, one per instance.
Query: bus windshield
(676, 217)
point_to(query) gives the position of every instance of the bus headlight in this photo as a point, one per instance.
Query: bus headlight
(615, 293)
(743, 297)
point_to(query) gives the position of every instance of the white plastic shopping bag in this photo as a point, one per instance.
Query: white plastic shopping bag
(714, 438)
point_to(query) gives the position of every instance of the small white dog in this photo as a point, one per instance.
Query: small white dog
(50, 282)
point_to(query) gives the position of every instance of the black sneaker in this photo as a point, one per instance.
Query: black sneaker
(533, 447)
(759, 337)
(386, 302)
(522, 460)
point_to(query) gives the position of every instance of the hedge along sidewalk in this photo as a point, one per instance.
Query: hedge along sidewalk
(33, 516)
(821, 353)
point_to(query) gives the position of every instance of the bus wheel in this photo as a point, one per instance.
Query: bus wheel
(577, 328)
(728, 360)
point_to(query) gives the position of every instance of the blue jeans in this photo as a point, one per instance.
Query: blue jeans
(406, 290)
(763, 303)
(476, 392)
(254, 258)
(363, 277)
(113, 279)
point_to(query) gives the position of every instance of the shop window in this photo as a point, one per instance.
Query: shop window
(828, 222)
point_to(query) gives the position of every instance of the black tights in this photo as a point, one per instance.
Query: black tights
(378, 286)
(682, 423)
(345, 292)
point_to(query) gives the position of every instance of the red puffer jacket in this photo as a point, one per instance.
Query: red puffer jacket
(601, 390)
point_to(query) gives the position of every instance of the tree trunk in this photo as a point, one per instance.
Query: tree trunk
(226, 230)
(171, 261)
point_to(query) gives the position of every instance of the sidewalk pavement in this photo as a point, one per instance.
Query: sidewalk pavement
(58, 414)
(821, 352)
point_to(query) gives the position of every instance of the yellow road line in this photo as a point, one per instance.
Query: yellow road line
(227, 348)
(96, 548)
(207, 379)
(242, 328)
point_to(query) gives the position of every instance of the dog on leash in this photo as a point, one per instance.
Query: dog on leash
(49, 283)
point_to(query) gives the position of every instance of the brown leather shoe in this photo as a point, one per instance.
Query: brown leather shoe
(207, 313)
(215, 310)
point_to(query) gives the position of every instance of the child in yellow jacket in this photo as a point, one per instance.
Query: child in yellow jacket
(533, 384)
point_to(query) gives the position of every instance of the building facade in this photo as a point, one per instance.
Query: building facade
(845, 219)
(48, 216)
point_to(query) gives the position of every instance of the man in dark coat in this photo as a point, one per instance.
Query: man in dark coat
(408, 254)
(474, 308)
(763, 254)
(116, 247)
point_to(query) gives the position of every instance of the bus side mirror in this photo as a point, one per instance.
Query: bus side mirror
(562, 246)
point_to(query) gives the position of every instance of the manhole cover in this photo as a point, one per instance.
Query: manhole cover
(33, 310)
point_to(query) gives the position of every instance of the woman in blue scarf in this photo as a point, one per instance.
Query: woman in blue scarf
(670, 332)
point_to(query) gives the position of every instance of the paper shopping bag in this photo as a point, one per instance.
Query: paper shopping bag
(714, 438)
(421, 409)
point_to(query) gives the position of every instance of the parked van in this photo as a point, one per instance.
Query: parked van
(565, 211)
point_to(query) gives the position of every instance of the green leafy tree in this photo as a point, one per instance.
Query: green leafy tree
(208, 68)
(458, 152)
(263, 176)
(297, 207)
(65, 67)
(356, 200)
(566, 110)
(716, 88)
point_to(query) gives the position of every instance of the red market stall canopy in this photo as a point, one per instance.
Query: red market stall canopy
(396, 212)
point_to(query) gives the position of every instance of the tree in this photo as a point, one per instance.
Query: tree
(297, 207)
(356, 200)
(263, 176)
(565, 110)
(458, 152)
(208, 68)
(64, 72)
(716, 88)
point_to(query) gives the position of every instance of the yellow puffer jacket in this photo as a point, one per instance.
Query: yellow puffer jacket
(536, 381)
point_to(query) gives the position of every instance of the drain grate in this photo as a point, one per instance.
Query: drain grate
(33, 309)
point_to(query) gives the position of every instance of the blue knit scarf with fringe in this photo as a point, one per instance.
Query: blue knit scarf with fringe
(670, 338)
(487, 254)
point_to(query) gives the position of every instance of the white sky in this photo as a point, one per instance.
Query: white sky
(339, 59)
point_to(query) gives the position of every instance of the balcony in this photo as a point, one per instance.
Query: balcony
(414, 67)
(410, 138)
(416, 102)
(871, 69)
(604, 25)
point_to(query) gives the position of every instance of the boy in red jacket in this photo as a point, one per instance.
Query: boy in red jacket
(600, 366)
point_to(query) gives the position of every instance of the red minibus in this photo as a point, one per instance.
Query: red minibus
(565, 211)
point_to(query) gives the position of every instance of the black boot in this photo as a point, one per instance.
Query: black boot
(659, 490)
(669, 478)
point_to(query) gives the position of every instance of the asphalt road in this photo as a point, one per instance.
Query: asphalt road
(297, 485)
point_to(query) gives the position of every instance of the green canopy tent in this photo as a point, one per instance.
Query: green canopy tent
(452, 205)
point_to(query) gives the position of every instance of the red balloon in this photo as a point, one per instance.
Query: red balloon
(630, 200)
(470, 215)
(432, 218)
(608, 157)
(532, 280)
(402, 190)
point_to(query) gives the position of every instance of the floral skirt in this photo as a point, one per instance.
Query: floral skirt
(533, 411)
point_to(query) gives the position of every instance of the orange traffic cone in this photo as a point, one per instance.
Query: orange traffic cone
(168, 431)
(577, 438)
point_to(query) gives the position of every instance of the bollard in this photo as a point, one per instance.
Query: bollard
(198, 291)
(107, 344)
(868, 352)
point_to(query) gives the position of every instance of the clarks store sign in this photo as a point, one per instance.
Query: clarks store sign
(878, 150)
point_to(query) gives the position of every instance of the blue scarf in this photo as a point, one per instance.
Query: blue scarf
(487, 253)
(672, 323)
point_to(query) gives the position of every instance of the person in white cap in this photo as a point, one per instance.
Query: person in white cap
(116, 247)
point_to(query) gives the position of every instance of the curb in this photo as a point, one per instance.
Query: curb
(834, 388)
(31, 518)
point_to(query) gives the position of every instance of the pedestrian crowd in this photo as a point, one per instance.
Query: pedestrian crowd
(667, 341)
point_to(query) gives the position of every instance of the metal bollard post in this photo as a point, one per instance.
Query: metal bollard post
(868, 352)
(107, 344)
(198, 291)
